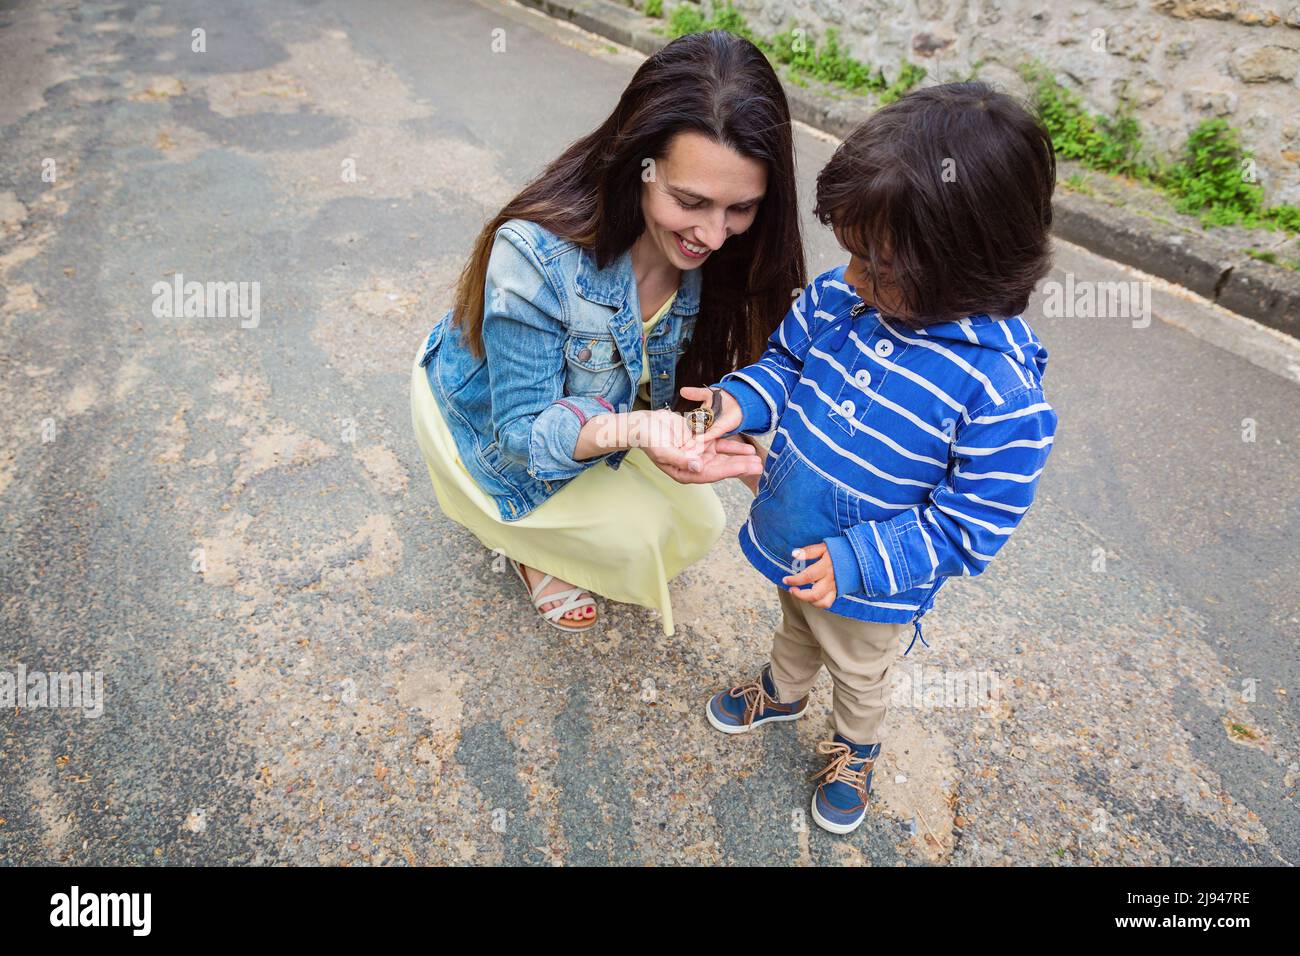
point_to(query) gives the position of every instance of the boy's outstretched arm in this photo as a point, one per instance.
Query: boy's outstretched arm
(763, 388)
(997, 457)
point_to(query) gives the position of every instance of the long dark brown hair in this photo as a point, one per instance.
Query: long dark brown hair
(952, 184)
(721, 86)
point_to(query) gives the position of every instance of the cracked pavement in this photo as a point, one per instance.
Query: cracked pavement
(306, 663)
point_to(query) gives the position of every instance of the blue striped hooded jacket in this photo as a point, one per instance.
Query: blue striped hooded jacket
(912, 454)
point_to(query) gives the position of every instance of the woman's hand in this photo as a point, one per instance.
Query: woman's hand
(728, 420)
(667, 440)
(665, 437)
(719, 459)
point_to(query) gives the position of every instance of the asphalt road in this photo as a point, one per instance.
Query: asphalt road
(304, 661)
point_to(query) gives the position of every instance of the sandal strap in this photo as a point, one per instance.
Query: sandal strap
(532, 591)
(546, 579)
(571, 602)
(571, 599)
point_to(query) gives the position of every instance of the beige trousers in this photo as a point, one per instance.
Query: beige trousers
(858, 655)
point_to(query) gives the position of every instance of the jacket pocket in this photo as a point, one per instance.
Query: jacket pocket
(854, 401)
(796, 509)
(593, 364)
(772, 477)
(430, 346)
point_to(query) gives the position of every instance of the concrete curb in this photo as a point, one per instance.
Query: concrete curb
(1206, 265)
(1202, 263)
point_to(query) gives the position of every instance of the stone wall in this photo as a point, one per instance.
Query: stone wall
(1176, 61)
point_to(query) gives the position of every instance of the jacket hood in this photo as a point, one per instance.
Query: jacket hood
(1009, 334)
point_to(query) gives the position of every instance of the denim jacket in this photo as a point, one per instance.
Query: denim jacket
(913, 454)
(563, 343)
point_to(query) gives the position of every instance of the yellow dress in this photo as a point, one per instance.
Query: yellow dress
(622, 535)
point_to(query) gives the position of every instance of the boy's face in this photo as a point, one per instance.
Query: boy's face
(880, 290)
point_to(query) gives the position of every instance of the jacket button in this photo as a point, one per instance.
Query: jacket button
(846, 408)
(663, 374)
(884, 348)
(862, 377)
(584, 354)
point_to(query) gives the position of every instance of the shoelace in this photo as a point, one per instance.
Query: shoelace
(839, 771)
(756, 699)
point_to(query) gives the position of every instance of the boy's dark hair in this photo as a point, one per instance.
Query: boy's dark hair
(949, 190)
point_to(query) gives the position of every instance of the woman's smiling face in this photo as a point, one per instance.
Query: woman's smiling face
(700, 195)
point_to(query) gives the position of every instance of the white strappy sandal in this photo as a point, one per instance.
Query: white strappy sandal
(570, 600)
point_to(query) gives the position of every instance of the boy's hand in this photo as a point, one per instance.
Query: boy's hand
(728, 421)
(821, 575)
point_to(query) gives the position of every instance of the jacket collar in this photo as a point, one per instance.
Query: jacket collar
(616, 283)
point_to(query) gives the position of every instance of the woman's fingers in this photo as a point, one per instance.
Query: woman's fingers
(729, 466)
(740, 465)
(719, 468)
(667, 439)
(678, 458)
(662, 429)
(690, 458)
(730, 446)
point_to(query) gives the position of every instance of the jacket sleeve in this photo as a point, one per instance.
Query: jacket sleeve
(763, 388)
(534, 422)
(996, 460)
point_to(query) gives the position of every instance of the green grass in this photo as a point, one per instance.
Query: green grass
(654, 8)
(1111, 144)
(1264, 255)
(1212, 178)
(909, 75)
(1079, 183)
(828, 61)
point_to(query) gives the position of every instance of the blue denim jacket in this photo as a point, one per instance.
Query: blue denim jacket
(563, 343)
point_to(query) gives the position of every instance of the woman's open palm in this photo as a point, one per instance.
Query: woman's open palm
(667, 440)
(719, 459)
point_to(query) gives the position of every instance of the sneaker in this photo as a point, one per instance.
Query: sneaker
(840, 803)
(745, 706)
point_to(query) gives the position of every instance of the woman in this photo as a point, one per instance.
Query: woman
(576, 317)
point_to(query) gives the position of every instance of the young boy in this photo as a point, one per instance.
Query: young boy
(905, 392)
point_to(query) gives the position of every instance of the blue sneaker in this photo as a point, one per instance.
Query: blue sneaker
(745, 706)
(840, 803)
